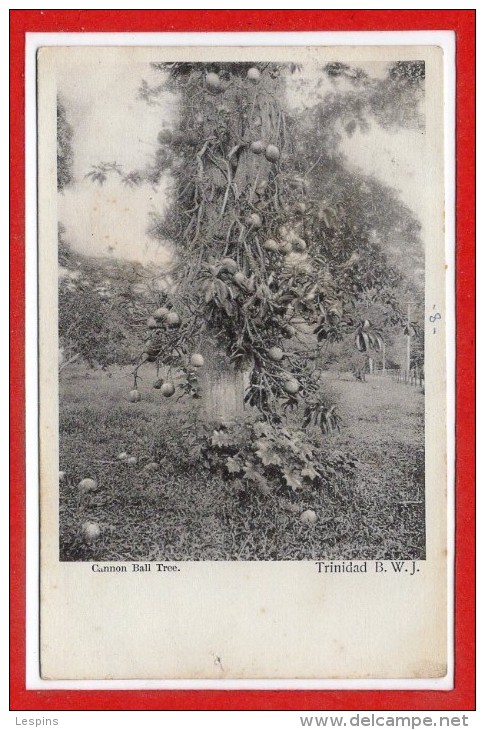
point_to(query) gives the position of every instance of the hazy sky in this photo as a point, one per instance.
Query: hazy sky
(111, 124)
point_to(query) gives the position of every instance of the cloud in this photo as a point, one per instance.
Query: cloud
(112, 220)
(395, 158)
(110, 124)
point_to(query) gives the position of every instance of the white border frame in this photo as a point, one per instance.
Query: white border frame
(444, 39)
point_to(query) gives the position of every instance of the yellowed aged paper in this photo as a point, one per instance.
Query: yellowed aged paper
(152, 572)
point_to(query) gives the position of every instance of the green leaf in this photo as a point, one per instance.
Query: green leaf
(309, 472)
(209, 291)
(261, 428)
(292, 479)
(221, 290)
(221, 439)
(269, 457)
(254, 476)
(233, 465)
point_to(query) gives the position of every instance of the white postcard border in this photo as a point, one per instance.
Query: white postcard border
(445, 39)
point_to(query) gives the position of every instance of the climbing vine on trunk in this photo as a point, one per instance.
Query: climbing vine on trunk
(251, 279)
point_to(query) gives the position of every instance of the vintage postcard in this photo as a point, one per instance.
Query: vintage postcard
(242, 338)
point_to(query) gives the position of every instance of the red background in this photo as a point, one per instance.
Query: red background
(462, 697)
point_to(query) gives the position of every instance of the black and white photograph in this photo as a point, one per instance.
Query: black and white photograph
(242, 358)
(241, 268)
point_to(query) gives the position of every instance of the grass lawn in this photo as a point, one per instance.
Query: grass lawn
(181, 511)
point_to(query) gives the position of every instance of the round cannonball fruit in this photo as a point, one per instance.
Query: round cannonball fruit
(213, 81)
(254, 74)
(152, 349)
(272, 153)
(291, 386)
(275, 354)
(168, 389)
(257, 147)
(270, 245)
(88, 485)
(229, 265)
(196, 360)
(134, 396)
(91, 531)
(308, 517)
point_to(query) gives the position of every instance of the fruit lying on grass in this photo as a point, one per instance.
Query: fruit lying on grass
(308, 517)
(62, 476)
(131, 460)
(88, 485)
(151, 466)
(91, 531)
(122, 456)
(134, 396)
(168, 389)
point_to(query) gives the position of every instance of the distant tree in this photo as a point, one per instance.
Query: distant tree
(65, 156)
(95, 311)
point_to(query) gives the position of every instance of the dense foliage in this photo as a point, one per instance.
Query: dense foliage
(98, 302)
(277, 251)
(65, 155)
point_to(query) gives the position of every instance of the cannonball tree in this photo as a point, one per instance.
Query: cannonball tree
(252, 286)
(253, 292)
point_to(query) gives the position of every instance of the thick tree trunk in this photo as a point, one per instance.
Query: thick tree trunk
(222, 388)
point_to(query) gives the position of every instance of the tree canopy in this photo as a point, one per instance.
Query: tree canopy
(279, 243)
